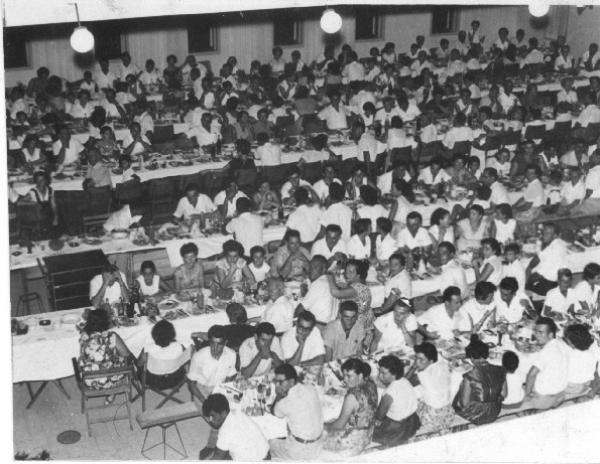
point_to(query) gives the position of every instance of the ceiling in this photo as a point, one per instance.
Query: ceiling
(32, 12)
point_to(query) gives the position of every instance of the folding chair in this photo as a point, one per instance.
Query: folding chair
(535, 132)
(88, 393)
(153, 365)
(311, 172)
(403, 155)
(245, 178)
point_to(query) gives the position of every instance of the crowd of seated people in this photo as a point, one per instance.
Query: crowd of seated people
(458, 99)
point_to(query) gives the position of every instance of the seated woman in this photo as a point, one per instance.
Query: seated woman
(101, 348)
(31, 157)
(149, 280)
(397, 419)
(351, 432)
(163, 357)
(359, 245)
(472, 230)
(43, 195)
(479, 398)
(489, 266)
(265, 198)
(441, 229)
(231, 270)
(583, 355)
(189, 277)
(109, 149)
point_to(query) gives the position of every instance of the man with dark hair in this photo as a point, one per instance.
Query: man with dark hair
(343, 337)
(548, 377)
(475, 312)
(246, 227)
(306, 218)
(511, 303)
(440, 321)
(226, 199)
(542, 270)
(414, 235)
(318, 299)
(193, 204)
(452, 273)
(337, 213)
(261, 353)
(299, 404)
(332, 247)
(290, 261)
(303, 345)
(234, 436)
(294, 182)
(211, 365)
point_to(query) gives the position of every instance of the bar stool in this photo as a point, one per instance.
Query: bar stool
(24, 303)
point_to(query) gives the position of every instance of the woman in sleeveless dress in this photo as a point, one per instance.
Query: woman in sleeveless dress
(472, 230)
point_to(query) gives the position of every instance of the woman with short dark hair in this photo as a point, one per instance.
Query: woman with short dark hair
(189, 277)
(583, 355)
(479, 398)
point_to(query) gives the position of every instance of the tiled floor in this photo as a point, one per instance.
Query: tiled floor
(36, 428)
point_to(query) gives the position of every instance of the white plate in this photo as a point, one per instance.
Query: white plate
(70, 319)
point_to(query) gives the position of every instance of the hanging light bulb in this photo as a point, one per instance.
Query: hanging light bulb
(538, 8)
(331, 22)
(82, 40)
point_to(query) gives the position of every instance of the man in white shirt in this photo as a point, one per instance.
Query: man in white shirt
(399, 283)
(335, 113)
(331, 247)
(452, 273)
(338, 213)
(439, 321)
(499, 194)
(395, 329)
(542, 270)
(573, 191)
(226, 199)
(300, 406)
(303, 345)
(306, 219)
(268, 153)
(533, 196)
(233, 435)
(560, 300)
(354, 71)
(193, 204)
(204, 134)
(104, 78)
(82, 108)
(211, 365)
(386, 180)
(109, 286)
(458, 133)
(343, 337)
(475, 313)
(279, 311)
(548, 377)
(384, 115)
(246, 227)
(534, 56)
(150, 76)
(413, 235)
(262, 353)
(590, 113)
(318, 299)
(385, 243)
(591, 202)
(407, 109)
(288, 189)
(511, 303)
(433, 174)
(321, 187)
(126, 67)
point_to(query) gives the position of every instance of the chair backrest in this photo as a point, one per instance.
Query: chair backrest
(311, 124)
(162, 187)
(128, 191)
(461, 148)
(213, 181)
(277, 175)
(562, 128)
(535, 132)
(245, 177)
(163, 133)
(167, 366)
(98, 200)
(346, 168)
(311, 172)
(93, 225)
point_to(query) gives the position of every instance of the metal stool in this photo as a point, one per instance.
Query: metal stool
(25, 300)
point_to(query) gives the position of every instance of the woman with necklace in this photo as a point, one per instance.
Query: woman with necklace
(189, 277)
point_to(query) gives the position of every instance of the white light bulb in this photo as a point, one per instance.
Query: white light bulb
(538, 8)
(331, 22)
(82, 40)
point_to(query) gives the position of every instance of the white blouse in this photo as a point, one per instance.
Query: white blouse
(356, 248)
(505, 232)
(496, 262)
(152, 289)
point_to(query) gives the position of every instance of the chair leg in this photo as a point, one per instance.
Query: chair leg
(143, 399)
(87, 420)
(62, 389)
(128, 406)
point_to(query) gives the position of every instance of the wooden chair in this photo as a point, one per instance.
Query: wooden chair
(535, 132)
(88, 393)
(29, 221)
(245, 178)
(162, 195)
(311, 172)
(93, 225)
(346, 168)
(510, 138)
(168, 393)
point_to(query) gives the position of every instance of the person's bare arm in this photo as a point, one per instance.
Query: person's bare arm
(295, 360)
(530, 381)
(340, 293)
(383, 408)
(375, 341)
(316, 361)
(349, 406)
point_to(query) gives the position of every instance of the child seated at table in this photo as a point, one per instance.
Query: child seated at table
(258, 266)
(500, 162)
(129, 174)
(512, 265)
(149, 280)
(514, 392)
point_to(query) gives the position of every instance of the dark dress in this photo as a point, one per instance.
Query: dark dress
(485, 381)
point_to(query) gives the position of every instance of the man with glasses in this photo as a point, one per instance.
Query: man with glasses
(299, 404)
(302, 345)
(211, 365)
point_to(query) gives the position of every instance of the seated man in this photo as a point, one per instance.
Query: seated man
(318, 299)
(289, 188)
(236, 332)
(343, 337)
(414, 236)
(66, 149)
(395, 329)
(475, 313)
(542, 270)
(433, 174)
(398, 284)
(331, 247)
(303, 345)
(337, 212)
(261, 353)
(290, 261)
(108, 287)
(205, 134)
(233, 434)
(136, 143)
(279, 311)
(226, 199)
(211, 365)
(511, 303)
(335, 113)
(548, 377)
(300, 405)
(194, 204)
(440, 321)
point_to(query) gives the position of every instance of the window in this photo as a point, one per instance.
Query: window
(202, 35)
(368, 24)
(107, 39)
(444, 19)
(15, 48)
(287, 31)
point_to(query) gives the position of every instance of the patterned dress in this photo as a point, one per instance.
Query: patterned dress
(365, 314)
(358, 431)
(98, 351)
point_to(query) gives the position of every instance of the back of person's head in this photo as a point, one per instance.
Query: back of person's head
(510, 284)
(483, 290)
(396, 122)
(579, 336)
(428, 350)
(493, 244)
(217, 331)
(357, 366)
(301, 196)
(549, 323)
(307, 316)
(460, 119)
(348, 305)
(236, 313)
(333, 229)
(243, 146)
(393, 364)
(362, 226)
(362, 267)
(368, 194)
(163, 333)
(510, 361)
(449, 292)
(265, 328)
(591, 271)
(476, 349)
(97, 321)
(215, 403)
(287, 370)
(262, 138)
(243, 205)
(384, 224)
(484, 192)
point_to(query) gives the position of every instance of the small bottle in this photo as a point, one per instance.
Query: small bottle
(121, 307)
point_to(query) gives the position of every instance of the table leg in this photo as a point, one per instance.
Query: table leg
(34, 395)
(62, 388)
